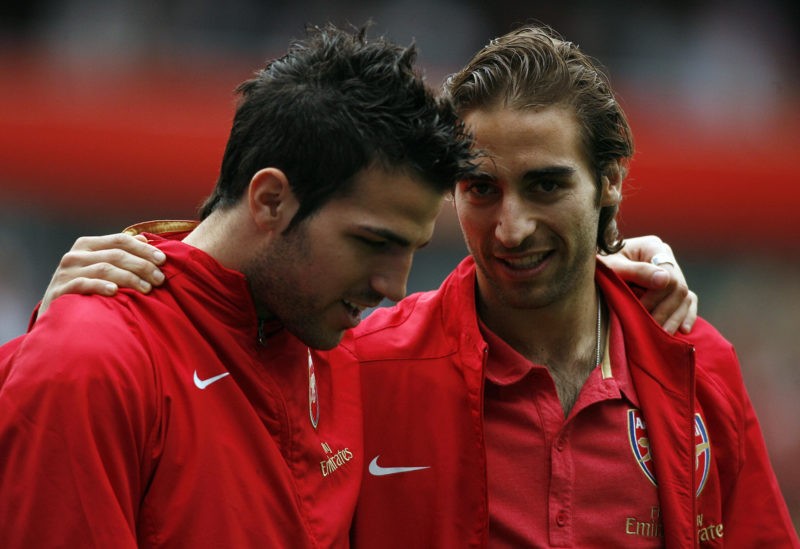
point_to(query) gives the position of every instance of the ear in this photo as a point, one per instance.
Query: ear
(271, 201)
(611, 184)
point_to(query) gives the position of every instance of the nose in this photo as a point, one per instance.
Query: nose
(391, 278)
(515, 222)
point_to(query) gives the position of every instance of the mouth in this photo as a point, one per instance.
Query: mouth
(525, 262)
(354, 312)
(354, 309)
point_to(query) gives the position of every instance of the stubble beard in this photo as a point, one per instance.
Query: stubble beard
(275, 276)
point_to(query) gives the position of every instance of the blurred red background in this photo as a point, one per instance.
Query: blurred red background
(80, 138)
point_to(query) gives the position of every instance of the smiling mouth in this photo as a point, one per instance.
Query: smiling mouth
(525, 262)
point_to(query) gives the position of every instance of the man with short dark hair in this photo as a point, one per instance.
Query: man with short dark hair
(201, 415)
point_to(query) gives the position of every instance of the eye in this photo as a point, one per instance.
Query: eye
(546, 186)
(372, 243)
(479, 189)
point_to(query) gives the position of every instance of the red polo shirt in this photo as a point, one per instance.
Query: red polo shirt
(566, 482)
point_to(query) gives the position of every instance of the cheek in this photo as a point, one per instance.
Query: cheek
(335, 268)
(473, 223)
(470, 231)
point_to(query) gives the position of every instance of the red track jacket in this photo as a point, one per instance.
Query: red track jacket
(159, 420)
(422, 382)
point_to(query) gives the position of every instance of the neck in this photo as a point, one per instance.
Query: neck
(233, 241)
(566, 337)
(561, 335)
(214, 236)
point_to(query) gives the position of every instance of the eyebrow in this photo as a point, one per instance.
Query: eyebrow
(480, 176)
(549, 171)
(386, 234)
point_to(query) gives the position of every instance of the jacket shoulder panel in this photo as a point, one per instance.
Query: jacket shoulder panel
(406, 330)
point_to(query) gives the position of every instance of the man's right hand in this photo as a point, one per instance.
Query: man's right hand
(103, 264)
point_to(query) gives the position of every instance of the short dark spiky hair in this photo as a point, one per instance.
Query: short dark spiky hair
(533, 67)
(332, 106)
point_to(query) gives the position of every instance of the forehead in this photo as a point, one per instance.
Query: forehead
(392, 200)
(527, 138)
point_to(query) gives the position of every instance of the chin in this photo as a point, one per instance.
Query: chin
(321, 341)
(525, 299)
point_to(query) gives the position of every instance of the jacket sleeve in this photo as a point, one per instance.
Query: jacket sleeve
(754, 510)
(75, 405)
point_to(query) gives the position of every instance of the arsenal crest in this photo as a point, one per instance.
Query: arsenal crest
(640, 444)
(702, 453)
(313, 396)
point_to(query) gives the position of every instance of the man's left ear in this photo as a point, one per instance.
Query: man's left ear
(271, 201)
(611, 184)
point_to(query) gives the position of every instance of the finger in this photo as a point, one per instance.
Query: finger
(643, 248)
(664, 287)
(691, 317)
(641, 274)
(110, 265)
(95, 278)
(663, 302)
(120, 241)
(89, 286)
(84, 286)
(649, 276)
(676, 319)
(674, 309)
(684, 317)
(133, 273)
(651, 250)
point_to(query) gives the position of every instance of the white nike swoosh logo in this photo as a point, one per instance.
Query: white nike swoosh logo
(379, 471)
(203, 383)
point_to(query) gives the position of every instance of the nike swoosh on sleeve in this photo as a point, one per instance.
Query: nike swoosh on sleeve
(203, 383)
(378, 471)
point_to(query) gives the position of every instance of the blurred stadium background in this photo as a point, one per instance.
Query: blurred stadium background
(117, 111)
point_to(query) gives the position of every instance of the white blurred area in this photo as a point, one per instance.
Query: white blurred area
(720, 74)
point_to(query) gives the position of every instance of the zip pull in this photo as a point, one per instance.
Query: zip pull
(262, 339)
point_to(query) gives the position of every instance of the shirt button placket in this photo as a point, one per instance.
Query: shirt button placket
(561, 488)
(562, 518)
